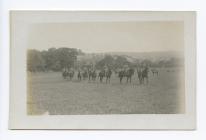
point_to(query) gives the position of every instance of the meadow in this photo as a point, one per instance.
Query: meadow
(48, 93)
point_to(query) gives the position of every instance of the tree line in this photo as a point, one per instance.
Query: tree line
(55, 59)
(51, 59)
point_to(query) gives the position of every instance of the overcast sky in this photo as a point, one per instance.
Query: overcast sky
(95, 37)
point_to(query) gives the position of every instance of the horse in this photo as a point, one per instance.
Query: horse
(121, 75)
(94, 75)
(79, 75)
(65, 74)
(108, 74)
(139, 73)
(71, 74)
(85, 75)
(90, 72)
(145, 75)
(154, 71)
(101, 75)
(129, 73)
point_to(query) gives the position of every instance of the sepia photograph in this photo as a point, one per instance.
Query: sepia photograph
(105, 68)
(102, 64)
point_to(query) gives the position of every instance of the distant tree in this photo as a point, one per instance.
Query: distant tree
(52, 59)
(108, 60)
(35, 61)
(146, 62)
(56, 59)
(67, 57)
(121, 61)
(137, 63)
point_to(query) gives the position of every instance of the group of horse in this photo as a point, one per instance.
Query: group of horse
(90, 74)
(93, 74)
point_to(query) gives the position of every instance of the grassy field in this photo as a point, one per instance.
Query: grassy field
(49, 93)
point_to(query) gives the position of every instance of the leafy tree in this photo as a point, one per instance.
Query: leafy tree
(67, 57)
(35, 61)
(57, 59)
(120, 61)
(53, 59)
(108, 61)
